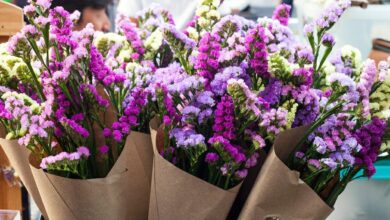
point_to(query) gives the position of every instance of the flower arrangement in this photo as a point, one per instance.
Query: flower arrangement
(254, 85)
(72, 97)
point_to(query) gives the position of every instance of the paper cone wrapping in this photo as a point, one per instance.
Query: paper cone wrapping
(18, 157)
(278, 192)
(176, 194)
(122, 194)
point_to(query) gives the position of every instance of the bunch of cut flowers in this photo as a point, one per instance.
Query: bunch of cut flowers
(346, 135)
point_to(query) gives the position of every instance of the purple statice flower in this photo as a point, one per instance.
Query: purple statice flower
(83, 151)
(342, 83)
(102, 72)
(274, 121)
(252, 160)
(43, 4)
(219, 83)
(211, 158)
(241, 93)
(235, 52)
(206, 63)
(104, 149)
(129, 30)
(328, 40)
(205, 98)
(187, 138)
(309, 108)
(365, 84)
(256, 46)
(303, 76)
(241, 174)
(224, 118)
(60, 25)
(256, 139)
(383, 68)
(222, 144)
(176, 80)
(190, 114)
(314, 163)
(4, 113)
(332, 14)
(272, 92)
(369, 137)
(76, 127)
(308, 29)
(305, 56)
(29, 11)
(91, 89)
(320, 145)
(282, 13)
(30, 31)
(228, 25)
(204, 115)
(177, 40)
(330, 163)
(17, 44)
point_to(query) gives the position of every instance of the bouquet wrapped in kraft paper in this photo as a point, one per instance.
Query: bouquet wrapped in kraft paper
(278, 192)
(190, 197)
(122, 194)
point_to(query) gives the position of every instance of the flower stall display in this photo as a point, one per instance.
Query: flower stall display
(79, 101)
(347, 133)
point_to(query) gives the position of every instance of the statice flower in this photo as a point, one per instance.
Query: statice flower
(328, 40)
(129, 30)
(187, 138)
(61, 25)
(365, 84)
(370, 138)
(177, 40)
(332, 14)
(219, 83)
(235, 52)
(272, 92)
(255, 44)
(224, 118)
(207, 59)
(227, 26)
(103, 73)
(245, 98)
(309, 107)
(222, 145)
(383, 69)
(273, 121)
(282, 13)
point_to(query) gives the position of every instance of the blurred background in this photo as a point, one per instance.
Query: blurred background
(365, 26)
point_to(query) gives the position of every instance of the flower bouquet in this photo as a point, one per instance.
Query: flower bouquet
(313, 164)
(231, 90)
(79, 102)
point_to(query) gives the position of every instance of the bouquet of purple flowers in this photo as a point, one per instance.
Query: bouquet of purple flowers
(81, 102)
(345, 131)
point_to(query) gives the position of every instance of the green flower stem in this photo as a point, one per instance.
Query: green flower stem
(36, 82)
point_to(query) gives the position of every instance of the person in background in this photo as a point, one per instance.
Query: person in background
(92, 11)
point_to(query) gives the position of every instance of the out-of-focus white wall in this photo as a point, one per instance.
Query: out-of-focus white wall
(260, 3)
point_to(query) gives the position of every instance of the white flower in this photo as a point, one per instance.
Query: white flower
(154, 41)
(350, 51)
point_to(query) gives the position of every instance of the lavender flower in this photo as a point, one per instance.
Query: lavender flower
(282, 13)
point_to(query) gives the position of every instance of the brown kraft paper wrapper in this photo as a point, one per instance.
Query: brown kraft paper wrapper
(18, 157)
(122, 194)
(176, 194)
(278, 192)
